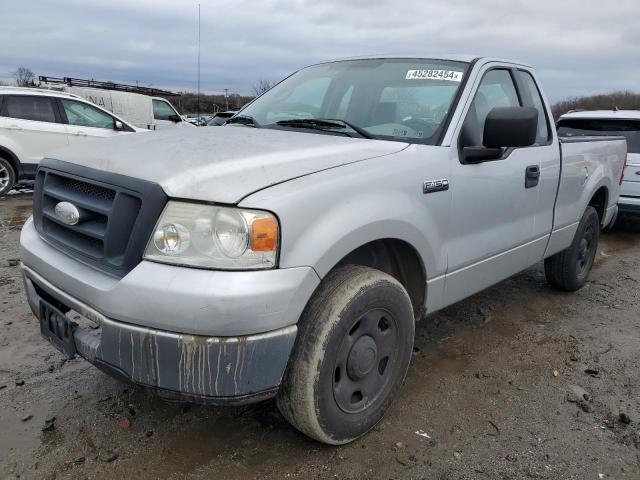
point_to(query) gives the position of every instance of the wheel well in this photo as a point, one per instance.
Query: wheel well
(400, 260)
(11, 158)
(599, 202)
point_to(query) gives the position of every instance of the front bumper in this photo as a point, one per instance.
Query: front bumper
(217, 370)
(198, 334)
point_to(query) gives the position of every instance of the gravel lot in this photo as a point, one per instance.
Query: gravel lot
(496, 387)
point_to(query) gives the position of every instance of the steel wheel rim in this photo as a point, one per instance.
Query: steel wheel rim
(365, 361)
(4, 177)
(585, 250)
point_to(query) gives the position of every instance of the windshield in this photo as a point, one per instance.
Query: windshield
(393, 99)
(630, 129)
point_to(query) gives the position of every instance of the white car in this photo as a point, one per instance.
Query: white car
(35, 122)
(625, 123)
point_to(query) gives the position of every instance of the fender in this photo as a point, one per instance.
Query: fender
(324, 252)
(13, 158)
(327, 215)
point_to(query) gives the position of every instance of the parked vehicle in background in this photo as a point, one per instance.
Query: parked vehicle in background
(193, 120)
(221, 118)
(289, 252)
(625, 123)
(36, 122)
(138, 105)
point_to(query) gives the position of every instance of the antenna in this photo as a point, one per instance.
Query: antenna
(198, 95)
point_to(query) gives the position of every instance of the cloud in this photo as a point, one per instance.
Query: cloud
(578, 46)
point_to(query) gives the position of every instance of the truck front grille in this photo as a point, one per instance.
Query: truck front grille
(117, 214)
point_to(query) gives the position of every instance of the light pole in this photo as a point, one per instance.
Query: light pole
(198, 100)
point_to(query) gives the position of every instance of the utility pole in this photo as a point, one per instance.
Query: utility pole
(226, 98)
(198, 62)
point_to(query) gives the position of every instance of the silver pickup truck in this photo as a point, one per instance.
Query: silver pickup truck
(289, 253)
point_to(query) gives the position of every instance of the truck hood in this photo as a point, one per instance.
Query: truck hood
(222, 164)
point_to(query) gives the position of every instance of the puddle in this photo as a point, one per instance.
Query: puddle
(14, 212)
(18, 435)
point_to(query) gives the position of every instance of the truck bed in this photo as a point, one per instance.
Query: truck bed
(584, 160)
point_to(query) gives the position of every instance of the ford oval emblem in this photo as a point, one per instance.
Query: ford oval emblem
(67, 213)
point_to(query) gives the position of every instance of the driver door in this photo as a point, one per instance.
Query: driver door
(492, 232)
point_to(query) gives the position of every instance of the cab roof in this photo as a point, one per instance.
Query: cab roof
(423, 56)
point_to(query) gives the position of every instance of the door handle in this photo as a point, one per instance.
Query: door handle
(532, 176)
(14, 127)
(81, 134)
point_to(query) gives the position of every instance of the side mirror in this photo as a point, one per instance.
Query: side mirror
(118, 125)
(505, 127)
(175, 118)
(510, 127)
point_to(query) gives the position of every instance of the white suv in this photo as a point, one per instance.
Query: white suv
(35, 122)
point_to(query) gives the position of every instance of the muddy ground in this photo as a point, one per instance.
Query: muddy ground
(494, 384)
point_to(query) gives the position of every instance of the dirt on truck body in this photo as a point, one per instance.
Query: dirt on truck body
(519, 381)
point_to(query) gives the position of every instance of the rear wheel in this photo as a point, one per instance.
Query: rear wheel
(8, 176)
(352, 352)
(568, 270)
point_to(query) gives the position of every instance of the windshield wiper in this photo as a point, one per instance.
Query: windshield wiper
(361, 131)
(244, 120)
(323, 124)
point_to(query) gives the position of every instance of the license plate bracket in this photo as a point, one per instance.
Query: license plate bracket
(56, 327)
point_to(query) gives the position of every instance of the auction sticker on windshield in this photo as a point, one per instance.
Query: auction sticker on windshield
(450, 75)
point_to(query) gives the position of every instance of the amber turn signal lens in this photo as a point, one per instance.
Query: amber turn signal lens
(264, 235)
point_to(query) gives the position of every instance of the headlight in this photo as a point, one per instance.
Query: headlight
(214, 237)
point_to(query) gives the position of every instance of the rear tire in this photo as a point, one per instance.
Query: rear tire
(8, 176)
(351, 355)
(568, 270)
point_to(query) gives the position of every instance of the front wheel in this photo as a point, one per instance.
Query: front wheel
(353, 349)
(568, 270)
(8, 176)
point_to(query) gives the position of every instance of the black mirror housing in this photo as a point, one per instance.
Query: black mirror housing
(511, 127)
(481, 154)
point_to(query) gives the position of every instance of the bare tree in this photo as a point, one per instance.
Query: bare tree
(261, 87)
(24, 77)
(623, 100)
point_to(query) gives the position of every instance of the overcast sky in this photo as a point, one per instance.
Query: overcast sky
(578, 46)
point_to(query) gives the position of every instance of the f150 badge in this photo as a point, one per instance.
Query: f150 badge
(431, 186)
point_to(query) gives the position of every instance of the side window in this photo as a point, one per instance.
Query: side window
(543, 125)
(496, 90)
(84, 115)
(163, 111)
(25, 107)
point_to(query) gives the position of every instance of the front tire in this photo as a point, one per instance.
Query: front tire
(568, 270)
(353, 349)
(8, 176)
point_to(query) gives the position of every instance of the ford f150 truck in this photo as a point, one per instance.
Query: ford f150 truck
(290, 252)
